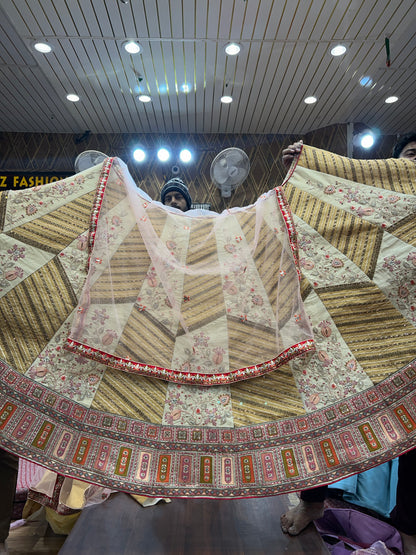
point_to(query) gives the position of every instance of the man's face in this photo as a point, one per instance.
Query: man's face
(176, 200)
(409, 151)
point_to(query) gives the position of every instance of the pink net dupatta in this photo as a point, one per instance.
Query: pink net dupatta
(193, 298)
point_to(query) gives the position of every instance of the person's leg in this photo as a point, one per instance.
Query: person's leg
(9, 466)
(403, 515)
(309, 508)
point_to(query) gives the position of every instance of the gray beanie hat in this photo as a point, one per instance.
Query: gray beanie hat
(176, 184)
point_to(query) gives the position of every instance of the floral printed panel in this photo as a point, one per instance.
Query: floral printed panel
(244, 293)
(321, 263)
(373, 204)
(106, 325)
(208, 351)
(163, 287)
(396, 275)
(332, 372)
(74, 260)
(25, 206)
(18, 261)
(188, 405)
(63, 372)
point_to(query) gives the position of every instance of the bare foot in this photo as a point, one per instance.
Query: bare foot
(298, 518)
(409, 544)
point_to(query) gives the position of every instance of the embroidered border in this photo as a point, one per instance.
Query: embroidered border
(177, 461)
(290, 226)
(192, 378)
(98, 201)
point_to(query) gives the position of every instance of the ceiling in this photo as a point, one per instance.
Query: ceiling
(285, 57)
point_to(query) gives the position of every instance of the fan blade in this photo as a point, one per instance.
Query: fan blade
(234, 158)
(220, 174)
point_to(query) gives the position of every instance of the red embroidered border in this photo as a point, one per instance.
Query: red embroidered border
(177, 376)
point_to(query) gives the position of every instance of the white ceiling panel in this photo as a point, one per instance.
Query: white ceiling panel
(285, 57)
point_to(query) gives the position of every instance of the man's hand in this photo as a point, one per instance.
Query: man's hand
(289, 153)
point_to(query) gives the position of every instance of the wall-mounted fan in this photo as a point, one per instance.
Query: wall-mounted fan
(88, 159)
(229, 169)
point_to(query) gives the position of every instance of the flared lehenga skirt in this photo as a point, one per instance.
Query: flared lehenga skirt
(260, 351)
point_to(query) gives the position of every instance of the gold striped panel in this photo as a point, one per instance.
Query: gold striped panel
(268, 270)
(245, 220)
(57, 229)
(405, 230)
(377, 334)
(34, 310)
(390, 174)
(243, 351)
(358, 239)
(203, 294)
(157, 216)
(305, 287)
(266, 398)
(114, 191)
(131, 396)
(128, 268)
(145, 335)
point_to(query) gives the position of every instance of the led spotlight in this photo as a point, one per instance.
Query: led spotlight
(226, 99)
(163, 154)
(367, 140)
(144, 98)
(132, 47)
(338, 50)
(232, 49)
(72, 97)
(185, 155)
(391, 99)
(42, 47)
(139, 155)
(310, 100)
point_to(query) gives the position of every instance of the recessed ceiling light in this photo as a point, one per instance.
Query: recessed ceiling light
(338, 50)
(226, 99)
(310, 100)
(42, 47)
(391, 99)
(132, 47)
(144, 98)
(232, 48)
(72, 97)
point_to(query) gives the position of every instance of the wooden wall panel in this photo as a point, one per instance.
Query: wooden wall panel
(57, 152)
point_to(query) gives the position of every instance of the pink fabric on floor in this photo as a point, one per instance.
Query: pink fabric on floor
(29, 473)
